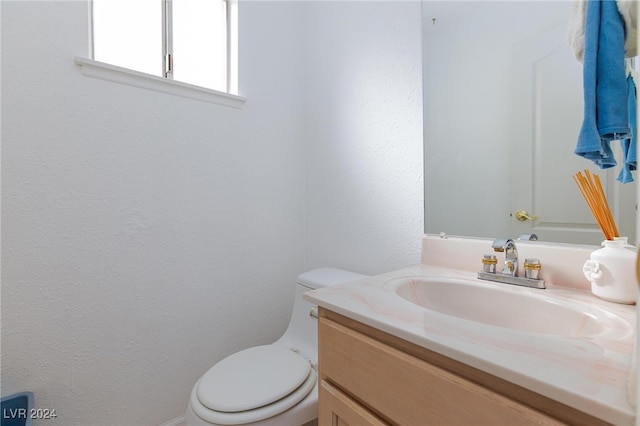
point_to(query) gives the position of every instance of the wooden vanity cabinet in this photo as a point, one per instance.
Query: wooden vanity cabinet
(368, 377)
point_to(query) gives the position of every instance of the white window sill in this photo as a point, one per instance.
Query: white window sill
(95, 69)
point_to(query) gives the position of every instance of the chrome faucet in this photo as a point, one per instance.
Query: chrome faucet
(509, 273)
(510, 255)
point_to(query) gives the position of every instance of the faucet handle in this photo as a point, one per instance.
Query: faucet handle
(489, 262)
(532, 268)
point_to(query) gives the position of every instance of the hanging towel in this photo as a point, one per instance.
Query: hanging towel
(629, 145)
(628, 11)
(606, 114)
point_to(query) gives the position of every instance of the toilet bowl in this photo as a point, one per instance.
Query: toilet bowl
(269, 385)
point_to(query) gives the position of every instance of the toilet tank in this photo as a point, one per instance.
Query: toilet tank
(326, 277)
(302, 333)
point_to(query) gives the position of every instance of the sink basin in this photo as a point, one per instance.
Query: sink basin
(510, 307)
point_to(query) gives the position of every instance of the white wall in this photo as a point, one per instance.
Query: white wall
(364, 113)
(146, 236)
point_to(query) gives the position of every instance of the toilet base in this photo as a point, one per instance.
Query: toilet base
(303, 413)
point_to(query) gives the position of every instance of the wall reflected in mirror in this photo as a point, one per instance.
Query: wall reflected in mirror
(503, 106)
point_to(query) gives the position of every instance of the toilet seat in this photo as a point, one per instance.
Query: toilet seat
(252, 385)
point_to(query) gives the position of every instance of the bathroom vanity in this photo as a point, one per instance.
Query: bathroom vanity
(371, 377)
(386, 356)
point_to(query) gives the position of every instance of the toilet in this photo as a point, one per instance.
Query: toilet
(269, 385)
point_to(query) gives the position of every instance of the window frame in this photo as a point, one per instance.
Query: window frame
(96, 69)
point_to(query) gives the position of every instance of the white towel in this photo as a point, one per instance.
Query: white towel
(628, 11)
(576, 28)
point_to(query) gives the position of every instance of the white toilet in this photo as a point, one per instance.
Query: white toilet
(272, 384)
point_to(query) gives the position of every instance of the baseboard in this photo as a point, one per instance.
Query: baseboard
(178, 421)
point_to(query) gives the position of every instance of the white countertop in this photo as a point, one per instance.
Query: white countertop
(591, 374)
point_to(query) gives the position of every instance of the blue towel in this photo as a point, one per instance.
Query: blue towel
(629, 152)
(606, 114)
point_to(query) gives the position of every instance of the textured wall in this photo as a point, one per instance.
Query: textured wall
(365, 191)
(146, 236)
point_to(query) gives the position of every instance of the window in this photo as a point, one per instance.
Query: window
(190, 41)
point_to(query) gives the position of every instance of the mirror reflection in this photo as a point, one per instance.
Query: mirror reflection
(503, 106)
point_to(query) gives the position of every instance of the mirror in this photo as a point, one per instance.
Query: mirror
(503, 106)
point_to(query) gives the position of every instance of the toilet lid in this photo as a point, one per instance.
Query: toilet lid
(309, 389)
(252, 378)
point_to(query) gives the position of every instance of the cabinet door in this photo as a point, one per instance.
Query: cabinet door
(407, 390)
(336, 409)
